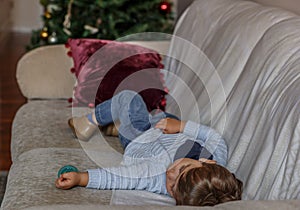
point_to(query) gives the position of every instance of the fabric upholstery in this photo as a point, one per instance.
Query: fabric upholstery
(247, 88)
(244, 82)
(44, 73)
(53, 130)
(245, 205)
(32, 180)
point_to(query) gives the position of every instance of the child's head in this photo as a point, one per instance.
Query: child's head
(202, 184)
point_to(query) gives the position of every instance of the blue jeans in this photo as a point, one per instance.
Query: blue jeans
(129, 108)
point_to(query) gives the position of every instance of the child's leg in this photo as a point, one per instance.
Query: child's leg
(129, 108)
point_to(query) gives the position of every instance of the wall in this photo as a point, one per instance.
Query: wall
(26, 15)
(5, 20)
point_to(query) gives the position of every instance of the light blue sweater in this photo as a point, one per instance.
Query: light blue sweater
(147, 158)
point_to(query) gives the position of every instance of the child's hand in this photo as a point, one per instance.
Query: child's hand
(68, 180)
(170, 125)
(207, 161)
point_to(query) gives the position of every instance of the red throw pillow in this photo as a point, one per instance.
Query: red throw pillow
(104, 68)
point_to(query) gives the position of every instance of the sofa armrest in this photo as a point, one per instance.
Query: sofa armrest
(44, 72)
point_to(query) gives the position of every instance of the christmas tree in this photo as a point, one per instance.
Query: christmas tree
(103, 19)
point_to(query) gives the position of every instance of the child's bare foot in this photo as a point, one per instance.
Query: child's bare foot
(111, 129)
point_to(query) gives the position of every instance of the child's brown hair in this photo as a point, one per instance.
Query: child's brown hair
(208, 185)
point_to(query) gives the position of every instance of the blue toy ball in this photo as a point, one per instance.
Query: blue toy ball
(67, 169)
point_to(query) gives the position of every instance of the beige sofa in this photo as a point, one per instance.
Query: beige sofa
(233, 65)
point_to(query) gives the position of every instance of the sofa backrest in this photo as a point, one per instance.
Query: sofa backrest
(235, 65)
(225, 34)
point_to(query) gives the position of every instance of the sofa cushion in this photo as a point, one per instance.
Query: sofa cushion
(43, 124)
(245, 205)
(104, 68)
(32, 177)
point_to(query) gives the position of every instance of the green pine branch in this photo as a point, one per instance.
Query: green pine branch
(103, 19)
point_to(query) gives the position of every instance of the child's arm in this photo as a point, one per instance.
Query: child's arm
(144, 176)
(204, 135)
(72, 179)
(210, 139)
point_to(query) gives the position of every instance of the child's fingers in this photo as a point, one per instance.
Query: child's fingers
(68, 175)
(161, 124)
(63, 184)
(66, 180)
(207, 161)
(59, 183)
(56, 183)
(64, 176)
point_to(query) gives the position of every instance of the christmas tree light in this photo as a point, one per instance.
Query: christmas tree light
(102, 19)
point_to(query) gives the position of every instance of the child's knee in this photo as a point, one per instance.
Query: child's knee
(129, 96)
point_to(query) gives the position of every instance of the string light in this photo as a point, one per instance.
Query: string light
(44, 33)
(165, 7)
